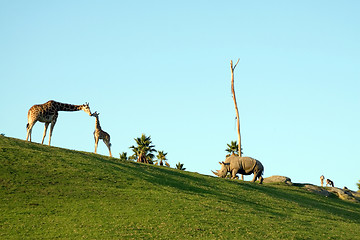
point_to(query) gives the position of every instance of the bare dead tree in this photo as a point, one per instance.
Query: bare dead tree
(234, 98)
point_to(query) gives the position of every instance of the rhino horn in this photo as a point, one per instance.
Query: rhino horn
(216, 173)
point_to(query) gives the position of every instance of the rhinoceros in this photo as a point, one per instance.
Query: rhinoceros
(243, 165)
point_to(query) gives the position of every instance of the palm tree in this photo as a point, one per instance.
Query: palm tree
(143, 152)
(180, 166)
(123, 156)
(160, 158)
(233, 148)
(132, 158)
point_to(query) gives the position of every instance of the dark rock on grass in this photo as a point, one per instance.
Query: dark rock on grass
(277, 179)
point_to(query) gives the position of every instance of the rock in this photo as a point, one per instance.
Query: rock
(317, 190)
(356, 195)
(277, 179)
(345, 194)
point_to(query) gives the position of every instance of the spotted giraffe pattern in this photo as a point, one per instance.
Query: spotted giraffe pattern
(48, 113)
(100, 134)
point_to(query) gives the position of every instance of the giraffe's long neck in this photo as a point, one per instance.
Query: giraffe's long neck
(67, 107)
(97, 123)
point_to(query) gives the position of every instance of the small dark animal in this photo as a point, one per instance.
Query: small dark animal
(329, 182)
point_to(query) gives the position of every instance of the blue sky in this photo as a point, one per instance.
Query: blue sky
(163, 68)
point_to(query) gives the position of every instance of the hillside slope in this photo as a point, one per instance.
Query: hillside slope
(48, 192)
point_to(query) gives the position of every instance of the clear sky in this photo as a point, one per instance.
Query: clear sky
(163, 68)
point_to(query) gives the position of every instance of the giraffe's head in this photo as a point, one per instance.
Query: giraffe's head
(95, 114)
(86, 108)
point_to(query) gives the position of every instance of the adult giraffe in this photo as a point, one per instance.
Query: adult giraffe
(48, 113)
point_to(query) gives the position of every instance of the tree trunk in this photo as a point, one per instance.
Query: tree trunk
(236, 108)
(140, 158)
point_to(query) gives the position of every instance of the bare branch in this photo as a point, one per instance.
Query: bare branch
(236, 63)
(231, 64)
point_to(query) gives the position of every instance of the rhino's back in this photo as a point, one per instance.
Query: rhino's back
(231, 159)
(240, 162)
(235, 158)
(248, 159)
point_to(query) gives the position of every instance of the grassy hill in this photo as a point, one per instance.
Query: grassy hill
(49, 192)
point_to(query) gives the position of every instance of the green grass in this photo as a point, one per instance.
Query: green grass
(48, 193)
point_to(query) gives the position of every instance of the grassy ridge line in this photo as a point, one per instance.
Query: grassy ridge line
(49, 192)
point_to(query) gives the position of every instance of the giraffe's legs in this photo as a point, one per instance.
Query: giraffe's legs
(51, 130)
(96, 143)
(29, 130)
(45, 129)
(108, 145)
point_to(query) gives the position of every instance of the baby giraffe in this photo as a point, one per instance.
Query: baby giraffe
(100, 134)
